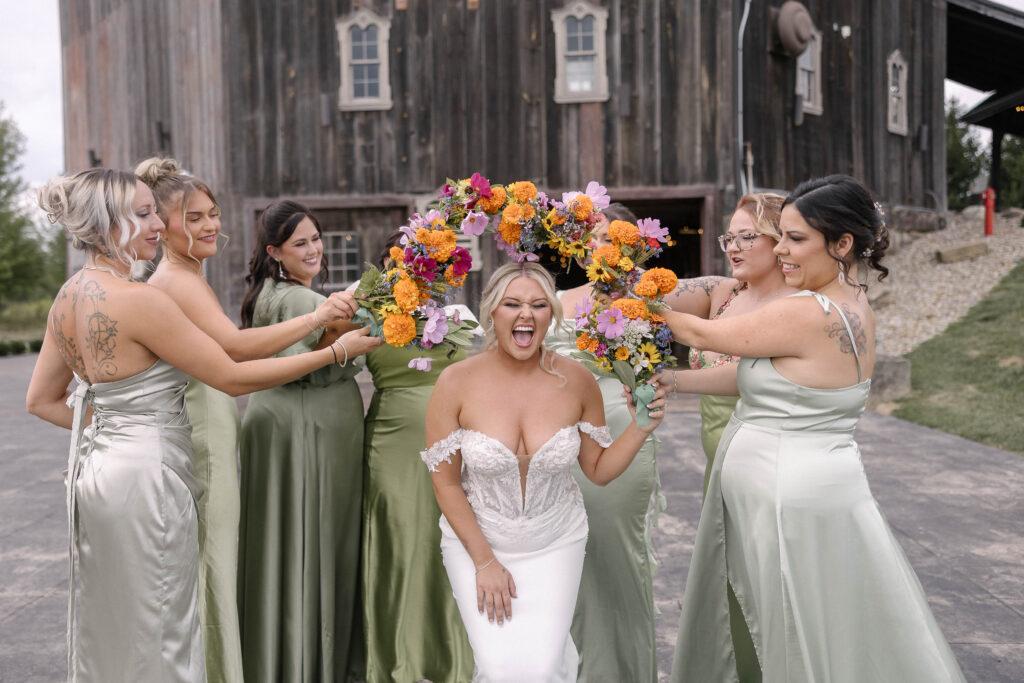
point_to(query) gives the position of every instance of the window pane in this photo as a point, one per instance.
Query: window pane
(373, 89)
(579, 73)
(587, 34)
(357, 42)
(371, 42)
(572, 34)
(373, 73)
(359, 81)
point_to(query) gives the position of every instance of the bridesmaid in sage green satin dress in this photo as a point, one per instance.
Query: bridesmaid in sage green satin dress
(756, 279)
(412, 624)
(190, 211)
(613, 625)
(301, 482)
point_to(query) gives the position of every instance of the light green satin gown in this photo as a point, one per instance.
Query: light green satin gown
(214, 418)
(412, 624)
(789, 521)
(613, 626)
(298, 569)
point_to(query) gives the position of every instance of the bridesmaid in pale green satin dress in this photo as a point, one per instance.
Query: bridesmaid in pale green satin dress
(757, 279)
(301, 455)
(412, 624)
(189, 210)
(613, 626)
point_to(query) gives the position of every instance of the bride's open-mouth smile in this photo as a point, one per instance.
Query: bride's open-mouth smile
(522, 335)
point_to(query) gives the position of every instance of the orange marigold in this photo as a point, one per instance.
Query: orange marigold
(609, 253)
(451, 279)
(646, 288)
(397, 254)
(585, 342)
(399, 329)
(523, 190)
(623, 232)
(582, 206)
(493, 204)
(510, 231)
(621, 353)
(631, 308)
(517, 212)
(407, 294)
(662, 278)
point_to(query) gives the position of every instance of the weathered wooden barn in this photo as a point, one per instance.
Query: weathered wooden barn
(361, 108)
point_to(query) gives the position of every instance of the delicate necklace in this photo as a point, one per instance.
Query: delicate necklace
(115, 273)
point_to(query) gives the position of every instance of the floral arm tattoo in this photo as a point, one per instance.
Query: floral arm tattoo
(690, 285)
(837, 330)
(102, 331)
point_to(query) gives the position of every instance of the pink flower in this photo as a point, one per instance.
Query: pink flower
(474, 223)
(480, 185)
(408, 233)
(461, 261)
(447, 191)
(610, 323)
(421, 364)
(436, 326)
(650, 228)
(456, 316)
(423, 267)
(598, 194)
(584, 307)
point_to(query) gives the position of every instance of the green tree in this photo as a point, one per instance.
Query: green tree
(1011, 172)
(25, 270)
(966, 157)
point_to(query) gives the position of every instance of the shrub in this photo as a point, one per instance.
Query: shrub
(5, 347)
(35, 345)
(25, 315)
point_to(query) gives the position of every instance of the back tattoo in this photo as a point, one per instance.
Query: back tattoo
(101, 329)
(837, 330)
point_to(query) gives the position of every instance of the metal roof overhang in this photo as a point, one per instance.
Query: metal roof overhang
(984, 45)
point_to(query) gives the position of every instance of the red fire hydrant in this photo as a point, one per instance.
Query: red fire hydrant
(989, 197)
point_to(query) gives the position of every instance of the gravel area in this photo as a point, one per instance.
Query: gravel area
(921, 296)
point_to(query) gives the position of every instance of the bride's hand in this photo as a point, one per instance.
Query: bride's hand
(495, 590)
(655, 409)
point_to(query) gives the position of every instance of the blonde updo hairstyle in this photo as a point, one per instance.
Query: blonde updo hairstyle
(172, 187)
(494, 292)
(89, 204)
(765, 209)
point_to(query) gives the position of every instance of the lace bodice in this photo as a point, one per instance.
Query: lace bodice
(508, 517)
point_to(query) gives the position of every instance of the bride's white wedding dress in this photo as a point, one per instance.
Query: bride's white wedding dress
(540, 536)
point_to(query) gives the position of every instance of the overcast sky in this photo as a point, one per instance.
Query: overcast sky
(30, 82)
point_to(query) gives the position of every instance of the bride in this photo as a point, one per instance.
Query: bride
(514, 530)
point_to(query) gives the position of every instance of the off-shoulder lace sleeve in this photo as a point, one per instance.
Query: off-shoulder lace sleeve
(601, 435)
(442, 450)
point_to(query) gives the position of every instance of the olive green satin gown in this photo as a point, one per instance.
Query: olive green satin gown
(613, 627)
(298, 569)
(412, 624)
(214, 418)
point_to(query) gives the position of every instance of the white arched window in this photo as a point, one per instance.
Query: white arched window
(365, 74)
(896, 87)
(581, 65)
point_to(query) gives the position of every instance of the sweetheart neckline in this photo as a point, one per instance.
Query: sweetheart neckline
(531, 456)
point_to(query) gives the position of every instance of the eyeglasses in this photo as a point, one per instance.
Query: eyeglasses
(744, 241)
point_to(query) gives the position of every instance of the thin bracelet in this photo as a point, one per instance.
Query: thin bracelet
(305, 319)
(485, 565)
(317, 319)
(335, 353)
(343, 348)
(675, 382)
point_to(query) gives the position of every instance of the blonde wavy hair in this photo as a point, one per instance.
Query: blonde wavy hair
(494, 291)
(172, 185)
(765, 208)
(89, 204)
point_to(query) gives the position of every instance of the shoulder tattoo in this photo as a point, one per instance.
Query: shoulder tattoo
(690, 285)
(837, 330)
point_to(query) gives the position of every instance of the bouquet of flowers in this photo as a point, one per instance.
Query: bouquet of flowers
(405, 303)
(615, 269)
(523, 219)
(628, 338)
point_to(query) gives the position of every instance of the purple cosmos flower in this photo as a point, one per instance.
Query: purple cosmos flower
(456, 316)
(610, 323)
(408, 233)
(474, 223)
(584, 307)
(421, 364)
(436, 326)
(650, 228)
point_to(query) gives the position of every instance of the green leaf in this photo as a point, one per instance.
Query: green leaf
(624, 371)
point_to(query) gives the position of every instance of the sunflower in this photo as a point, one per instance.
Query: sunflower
(597, 272)
(649, 352)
